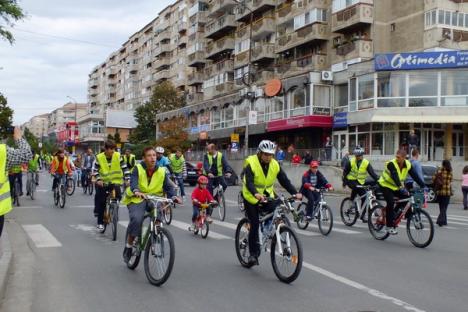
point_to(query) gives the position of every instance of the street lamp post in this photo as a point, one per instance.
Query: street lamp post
(76, 123)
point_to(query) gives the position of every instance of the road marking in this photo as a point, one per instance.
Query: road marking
(460, 217)
(42, 191)
(185, 226)
(234, 227)
(123, 223)
(452, 222)
(361, 287)
(40, 236)
(27, 207)
(334, 229)
(234, 202)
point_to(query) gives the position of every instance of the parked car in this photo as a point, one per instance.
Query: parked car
(193, 173)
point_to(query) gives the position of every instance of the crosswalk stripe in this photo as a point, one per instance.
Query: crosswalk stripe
(185, 226)
(460, 217)
(334, 229)
(40, 236)
(452, 222)
(234, 202)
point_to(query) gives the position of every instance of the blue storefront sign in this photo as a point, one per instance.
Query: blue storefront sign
(340, 120)
(421, 60)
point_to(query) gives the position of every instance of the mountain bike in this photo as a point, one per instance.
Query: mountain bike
(321, 212)
(351, 210)
(111, 212)
(240, 201)
(31, 184)
(70, 186)
(157, 243)
(166, 211)
(218, 195)
(15, 192)
(176, 185)
(274, 233)
(88, 186)
(419, 225)
(201, 225)
(59, 192)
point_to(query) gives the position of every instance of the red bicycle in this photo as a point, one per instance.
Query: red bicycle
(201, 225)
(419, 225)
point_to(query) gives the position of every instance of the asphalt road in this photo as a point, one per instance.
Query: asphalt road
(61, 263)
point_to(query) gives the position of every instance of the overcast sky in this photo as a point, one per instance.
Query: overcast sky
(41, 70)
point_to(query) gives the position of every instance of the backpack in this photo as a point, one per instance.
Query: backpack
(438, 181)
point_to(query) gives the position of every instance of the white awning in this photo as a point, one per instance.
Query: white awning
(421, 119)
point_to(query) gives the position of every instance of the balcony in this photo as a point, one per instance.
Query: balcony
(90, 117)
(219, 46)
(220, 26)
(193, 98)
(434, 36)
(161, 75)
(199, 18)
(217, 6)
(287, 10)
(315, 32)
(162, 62)
(219, 90)
(262, 77)
(148, 83)
(93, 83)
(256, 6)
(181, 27)
(351, 50)
(133, 68)
(196, 78)
(112, 71)
(182, 42)
(163, 35)
(93, 137)
(263, 51)
(196, 59)
(219, 67)
(196, 29)
(353, 17)
(241, 59)
(162, 48)
(263, 27)
(307, 63)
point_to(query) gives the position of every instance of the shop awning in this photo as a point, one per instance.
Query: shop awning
(421, 119)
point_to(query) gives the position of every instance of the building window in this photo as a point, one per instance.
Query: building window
(352, 95)
(275, 108)
(454, 88)
(215, 119)
(322, 100)
(228, 117)
(242, 113)
(366, 92)
(260, 108)
(391, 89)
(423, 89)
(341, 97)
(313, 16)
(298, 103)
(339, 5)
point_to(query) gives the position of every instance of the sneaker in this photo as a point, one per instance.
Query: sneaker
(192, 227)
(127, 254)
(392, 231)
(309, 218)
(253, 260)
(209, 220)
(27, 193)
(100, 227)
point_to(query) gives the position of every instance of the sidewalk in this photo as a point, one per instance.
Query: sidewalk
(6, 257)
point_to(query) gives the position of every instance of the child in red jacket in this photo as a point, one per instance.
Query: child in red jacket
(201, 195)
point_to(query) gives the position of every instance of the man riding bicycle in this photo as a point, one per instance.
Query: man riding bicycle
(16, 173)
(33, 168)
(60, 168)
(392, 185)
(161, 160)
(109, 168)
(179, 169)
(129, 159)
(260, 174)
(146, 179)
(215, 166)
(87, 165)
(355, 173)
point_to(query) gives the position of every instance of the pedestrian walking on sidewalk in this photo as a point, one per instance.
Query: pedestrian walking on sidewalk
(443, 184)
(465, 187)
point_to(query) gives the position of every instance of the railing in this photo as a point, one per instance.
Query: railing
(225, 43)
(314, 154)
(220, 23)
(358, 13)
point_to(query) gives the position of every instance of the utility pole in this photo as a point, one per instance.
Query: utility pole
(76, 123)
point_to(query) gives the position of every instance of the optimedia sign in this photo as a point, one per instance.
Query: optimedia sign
(421, 60)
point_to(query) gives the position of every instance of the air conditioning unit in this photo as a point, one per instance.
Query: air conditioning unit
(327, 75)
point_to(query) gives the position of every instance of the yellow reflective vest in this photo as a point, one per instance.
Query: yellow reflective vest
(5, 199)
(153, 187)
(386, 180)
(113, 173)
(262, 183)
(219, 162)
(359, 174)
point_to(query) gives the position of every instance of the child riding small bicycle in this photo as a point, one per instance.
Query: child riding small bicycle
(200, 196)
(313, 180)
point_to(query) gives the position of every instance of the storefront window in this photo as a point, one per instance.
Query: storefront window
(352, 95)
(228, 117)
(298, 103)
(366, 92)
(391, 90)
(275, 108)
(341, 98)
(322, 100)
(204, 118)
(377, 143)
(193, 120)
(454, 88)
(352, 141)
(216, 119)
(389, 143)
(260, 107)
(242, 113)
(423, 89)
(364, 141)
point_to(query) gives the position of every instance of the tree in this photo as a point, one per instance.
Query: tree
(6, 116)
(117, 138)
(110, 137)
(32, 140)
(174, 134)
(164, 98)
(10, 12)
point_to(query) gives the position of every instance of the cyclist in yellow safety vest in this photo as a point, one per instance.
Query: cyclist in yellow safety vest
(179, 169)
(10, 157)
(129, 159)
(33, 168)
(260, 174)
(109, 169)
(355, 173)
(146, 179)
(215, 166)
(60, 168)
(16, 173)
(392, 183)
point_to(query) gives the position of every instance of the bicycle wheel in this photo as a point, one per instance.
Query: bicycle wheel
(62, 196)
(301, 221)
(167, 214)
(90, 188)
(135, 258)
(85, 186)
(420, 229)
(205, 228)
(242, 242)
(240, 201)
(288, 265)
(32, 189)
(325, 220)
(376, 222)
(221, 206)
(159, 256)
(70, 186)
(17, 193)
(348, 212)
(115, 220)
(56, 197)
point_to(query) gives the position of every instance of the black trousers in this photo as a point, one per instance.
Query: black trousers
(253, 214)
(12, 179)
(214, 182)
(443, 205)
(354, 190)
(389, 196)
(312, 200)
(2, 221)
(100, 201)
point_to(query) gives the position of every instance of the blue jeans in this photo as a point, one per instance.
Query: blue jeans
(56, 180)
(312, 200)
(180, 180)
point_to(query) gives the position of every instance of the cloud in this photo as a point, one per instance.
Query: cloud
(42, 68)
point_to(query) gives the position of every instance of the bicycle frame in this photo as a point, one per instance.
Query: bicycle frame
(370, 198)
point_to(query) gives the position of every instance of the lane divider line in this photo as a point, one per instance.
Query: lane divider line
(41, 236)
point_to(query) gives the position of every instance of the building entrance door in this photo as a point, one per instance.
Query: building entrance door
(340, 144)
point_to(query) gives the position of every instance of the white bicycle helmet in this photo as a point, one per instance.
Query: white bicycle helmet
(266, 146)
(358, 151)
(160, 150)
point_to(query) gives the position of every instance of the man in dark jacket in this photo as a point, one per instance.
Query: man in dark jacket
(312, 181)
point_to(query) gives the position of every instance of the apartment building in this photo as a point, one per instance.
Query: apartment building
(309, 69)
(38, 125)
(68, 112)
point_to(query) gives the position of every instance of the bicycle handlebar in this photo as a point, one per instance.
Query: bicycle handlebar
(158, 199)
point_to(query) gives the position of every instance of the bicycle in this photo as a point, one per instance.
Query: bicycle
(70, 186)
(154, 241)
(166, 211)
(240, 201)
(111, 212)
(176, 185)
(15, 192)
(201, 225)
(350, 210)
(31, 184)
(285, 247)
(88, 185)
(417, 220)
(59, 193)
(218, 195)
(322, 213)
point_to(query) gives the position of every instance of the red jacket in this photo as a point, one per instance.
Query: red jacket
(296, 159)
(202, 195)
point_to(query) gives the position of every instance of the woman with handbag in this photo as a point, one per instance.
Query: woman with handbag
(443, 186)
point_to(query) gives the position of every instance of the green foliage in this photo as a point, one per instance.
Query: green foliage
(6, 115)
(32, 140)
(10, 12)
(164, 98)
(173, 134)
(110, 137)
(117, 138)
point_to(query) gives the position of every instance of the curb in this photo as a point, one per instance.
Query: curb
(6, 257)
